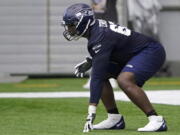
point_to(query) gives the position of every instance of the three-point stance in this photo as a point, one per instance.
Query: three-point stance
(117, 52)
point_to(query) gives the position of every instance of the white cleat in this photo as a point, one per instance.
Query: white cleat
(156, 123)
(114, 121)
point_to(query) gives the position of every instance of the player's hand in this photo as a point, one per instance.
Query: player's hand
(89, 122)
(90, 118)
(83, 67)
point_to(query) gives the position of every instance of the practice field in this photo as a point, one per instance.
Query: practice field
(74, 84)
(66, 116)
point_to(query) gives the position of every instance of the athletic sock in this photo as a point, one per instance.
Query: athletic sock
(153, 112)
(113, 111)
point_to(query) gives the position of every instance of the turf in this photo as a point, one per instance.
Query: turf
(67, 117)
(162, 83)
(72, 84)
(40, 85)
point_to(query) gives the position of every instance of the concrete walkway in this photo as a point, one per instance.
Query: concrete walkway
(171, 97)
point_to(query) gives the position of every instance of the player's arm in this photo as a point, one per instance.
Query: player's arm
(100, 63)
(98, 74)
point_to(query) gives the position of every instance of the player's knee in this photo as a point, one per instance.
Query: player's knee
(126, 81)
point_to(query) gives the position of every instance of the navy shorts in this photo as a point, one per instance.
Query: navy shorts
(144, 64)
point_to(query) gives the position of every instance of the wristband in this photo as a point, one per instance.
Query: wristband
(92, 109)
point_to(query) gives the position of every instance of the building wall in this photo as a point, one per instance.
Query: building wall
(64, 55)
(22, 36)
(31, 40)
(169, 33)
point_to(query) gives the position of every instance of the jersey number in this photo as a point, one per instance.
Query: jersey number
(119, 29)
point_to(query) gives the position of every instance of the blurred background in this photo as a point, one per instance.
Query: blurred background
(32, 44)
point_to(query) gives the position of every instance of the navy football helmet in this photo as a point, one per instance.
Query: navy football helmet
(76, 21)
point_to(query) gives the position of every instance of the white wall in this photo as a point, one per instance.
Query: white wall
(169, 33)
(22, 36)
(31, 38)
(170, 28)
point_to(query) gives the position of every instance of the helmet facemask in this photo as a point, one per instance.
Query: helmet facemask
(70, 32)
(77, 24)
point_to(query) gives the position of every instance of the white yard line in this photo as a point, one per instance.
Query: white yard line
(171, 97)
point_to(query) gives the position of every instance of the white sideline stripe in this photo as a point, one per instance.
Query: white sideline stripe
(171, 97)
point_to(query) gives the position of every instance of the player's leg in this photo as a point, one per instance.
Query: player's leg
(107, 93)
(127, 83)
(139, 69)
(114, 120)
(108, 97)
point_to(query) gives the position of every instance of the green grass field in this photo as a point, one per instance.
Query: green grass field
(66, 116)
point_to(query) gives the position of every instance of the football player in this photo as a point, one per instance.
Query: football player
(129, 57)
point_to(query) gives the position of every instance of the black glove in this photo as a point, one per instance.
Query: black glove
(83, 67)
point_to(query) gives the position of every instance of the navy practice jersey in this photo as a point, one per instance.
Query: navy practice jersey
(109, 42)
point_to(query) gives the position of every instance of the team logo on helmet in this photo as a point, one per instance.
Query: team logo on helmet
(76, 21)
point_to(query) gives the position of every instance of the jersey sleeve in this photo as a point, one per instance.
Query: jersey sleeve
(101, 56)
